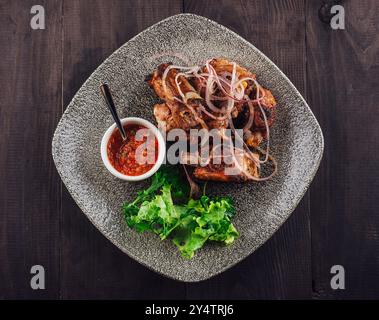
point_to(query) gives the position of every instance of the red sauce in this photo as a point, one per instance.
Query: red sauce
(124, 155)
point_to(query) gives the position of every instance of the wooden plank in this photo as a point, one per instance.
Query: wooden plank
(343, 76)
(30, 107)
(91, 266)
(281, 268)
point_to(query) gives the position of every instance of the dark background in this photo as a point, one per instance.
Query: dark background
(337, 222)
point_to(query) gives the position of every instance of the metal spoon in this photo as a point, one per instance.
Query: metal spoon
(112, 108)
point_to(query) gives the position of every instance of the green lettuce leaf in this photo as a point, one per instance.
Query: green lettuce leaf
(161, 209)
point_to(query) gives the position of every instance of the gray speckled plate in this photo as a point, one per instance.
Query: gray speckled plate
(297, 144)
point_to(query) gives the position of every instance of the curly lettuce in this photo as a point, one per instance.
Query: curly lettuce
(163, 210)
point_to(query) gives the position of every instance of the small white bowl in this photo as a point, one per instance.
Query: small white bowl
(161, 149)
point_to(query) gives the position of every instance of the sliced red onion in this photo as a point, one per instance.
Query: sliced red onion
(234, 92)
(165, 73)
(250, 121)
(220, 118)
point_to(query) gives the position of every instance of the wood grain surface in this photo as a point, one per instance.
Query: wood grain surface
(337, 221)
(342, 82)
(31, 104)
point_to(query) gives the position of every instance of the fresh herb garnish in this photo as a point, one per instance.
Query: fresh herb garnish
(164, 210)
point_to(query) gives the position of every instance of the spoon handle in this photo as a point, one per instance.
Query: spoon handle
(112, 108)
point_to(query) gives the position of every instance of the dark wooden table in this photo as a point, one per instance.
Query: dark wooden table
(336, 223)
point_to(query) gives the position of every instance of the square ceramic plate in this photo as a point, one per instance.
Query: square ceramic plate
(297, 144)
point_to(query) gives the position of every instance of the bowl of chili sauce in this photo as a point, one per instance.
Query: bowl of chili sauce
(138, 156)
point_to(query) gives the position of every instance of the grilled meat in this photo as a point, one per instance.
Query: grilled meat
(186, 106)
